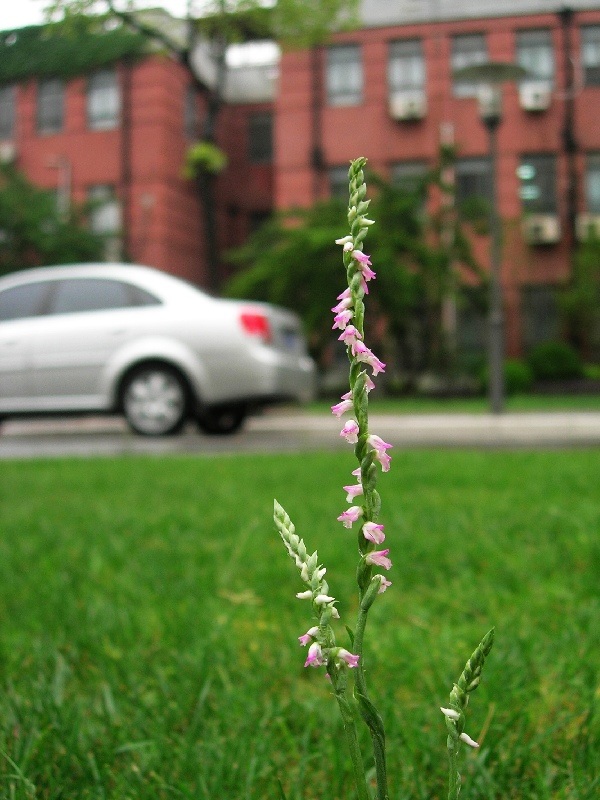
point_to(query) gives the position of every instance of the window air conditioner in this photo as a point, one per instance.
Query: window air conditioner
(8, 152)
(541, 229)
(408, 105)
(535, 96)
(587, 226)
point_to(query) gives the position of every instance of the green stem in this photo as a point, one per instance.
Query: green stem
(353, 745)
(368, 710)
(453, 773)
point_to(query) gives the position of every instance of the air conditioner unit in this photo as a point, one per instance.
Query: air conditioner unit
(408, 105)
(541, 229)
(587, 226)
(8, 152)
(535, 95)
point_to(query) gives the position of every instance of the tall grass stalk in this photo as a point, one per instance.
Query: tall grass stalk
(371, 454)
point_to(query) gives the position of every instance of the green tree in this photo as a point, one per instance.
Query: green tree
(221, 23)
(33, 232)
(292, 261)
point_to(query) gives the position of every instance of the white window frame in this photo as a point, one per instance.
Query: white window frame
(344, 75)
(406, 66)
(8, 111)
(50, 109)
(103, 100)
(468, 49)
(535, 53)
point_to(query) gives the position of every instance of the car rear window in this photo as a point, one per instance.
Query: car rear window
(23, 301)
(97, 294)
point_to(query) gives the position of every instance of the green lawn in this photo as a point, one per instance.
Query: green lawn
(148, 626)
(521, 403)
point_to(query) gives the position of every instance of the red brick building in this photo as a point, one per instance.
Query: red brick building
(386, 92)
(118, 133)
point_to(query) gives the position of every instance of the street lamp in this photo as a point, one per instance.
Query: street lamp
(489, 78)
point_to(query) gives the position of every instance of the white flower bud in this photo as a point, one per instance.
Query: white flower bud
(464, 737)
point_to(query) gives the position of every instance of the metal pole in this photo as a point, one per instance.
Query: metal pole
(496, 316)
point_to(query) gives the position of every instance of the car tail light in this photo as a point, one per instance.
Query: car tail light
(256, 324)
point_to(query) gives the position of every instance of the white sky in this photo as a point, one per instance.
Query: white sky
(18, 13)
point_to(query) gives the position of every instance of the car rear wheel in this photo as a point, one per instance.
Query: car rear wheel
(155, 400)
(221, 420)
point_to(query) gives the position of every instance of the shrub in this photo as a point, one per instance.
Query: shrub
(555, 361)
(517, 376)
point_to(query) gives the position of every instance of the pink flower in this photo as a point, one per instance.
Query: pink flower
(357, 473)
(379, 558)
(308, 636)
(342, 319)
(373, 532)
(384, 584)
(341, 408)
(315, 656)
(368, 273)
(350, 431)
(345, 295)
(345, 303)
(380, 447)
(350, 515)
(369, 384)
(362, 353)
(349, 658)
(353, 491)
(350, 335)
(363, 259)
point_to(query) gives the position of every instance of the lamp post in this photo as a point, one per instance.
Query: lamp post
(489, 78)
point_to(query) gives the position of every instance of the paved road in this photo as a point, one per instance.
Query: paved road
(292, 431)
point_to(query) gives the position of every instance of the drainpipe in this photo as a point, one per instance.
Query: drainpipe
(569, 141)
(316, 148)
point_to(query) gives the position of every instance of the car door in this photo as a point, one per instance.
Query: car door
(89, 319)
(20, 307)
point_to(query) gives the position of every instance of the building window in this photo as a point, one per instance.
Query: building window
(260, 137)
(467, 50)
(406, 66)
(590, 54)
(536, 54)
(105, 218)
(473, 186)
(338, 182)
(540, 315)
(344, 77)
(8, 97)
(50, 106)
(103, 100)
(592, 183)
(409, 176)
(537, 179)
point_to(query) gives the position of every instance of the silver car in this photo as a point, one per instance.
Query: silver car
(119, 338)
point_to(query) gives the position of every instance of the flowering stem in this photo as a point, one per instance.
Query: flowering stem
(455, 713)
(367, 449)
